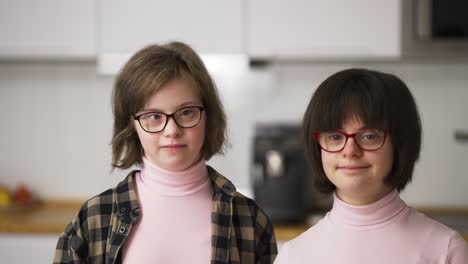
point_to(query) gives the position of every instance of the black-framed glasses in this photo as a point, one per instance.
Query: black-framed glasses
(365, 139)
(186, 117)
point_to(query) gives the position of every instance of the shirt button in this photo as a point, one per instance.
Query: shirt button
(123, 209)
(134, 214)
(122, 229)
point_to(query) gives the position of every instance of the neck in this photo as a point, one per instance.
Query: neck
(367, 215)
(363, 198)
(174, 183)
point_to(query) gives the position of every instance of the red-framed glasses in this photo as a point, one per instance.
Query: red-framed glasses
(366, 139)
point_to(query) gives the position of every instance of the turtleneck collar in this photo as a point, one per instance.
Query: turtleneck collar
(174, 183)
(367, 216)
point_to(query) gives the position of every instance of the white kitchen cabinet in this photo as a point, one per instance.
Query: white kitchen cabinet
(210, 26)
(324, 29)
(27, 248)
(47, 29)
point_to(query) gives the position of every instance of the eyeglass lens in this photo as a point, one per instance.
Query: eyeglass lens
(156, 121)
(367, 139)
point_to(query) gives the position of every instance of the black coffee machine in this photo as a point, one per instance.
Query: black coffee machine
(282, 182)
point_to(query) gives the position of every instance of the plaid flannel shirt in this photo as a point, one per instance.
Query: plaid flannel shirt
(241, 231)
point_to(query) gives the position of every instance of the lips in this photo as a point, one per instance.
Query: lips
(173, 146)
(352, 169)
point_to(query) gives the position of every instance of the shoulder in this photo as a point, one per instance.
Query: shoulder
(87, 234)
(225, 190)
(101, 204)
(443, 239)
(100, 207)
(419, 225)
(428, 224)
(80, 234)
(315, 235)
(247, 207)
(457, 251)
(297, 249)
(243, 209)
(247, 222)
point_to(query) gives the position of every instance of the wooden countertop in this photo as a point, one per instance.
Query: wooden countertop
(47, 217)
(51, 217)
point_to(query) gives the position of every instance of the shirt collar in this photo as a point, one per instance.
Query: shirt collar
(127, 199)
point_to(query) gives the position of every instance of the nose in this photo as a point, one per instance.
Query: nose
(351, 148)
(172, 129)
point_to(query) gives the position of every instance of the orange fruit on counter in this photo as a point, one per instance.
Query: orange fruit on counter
(22, 195)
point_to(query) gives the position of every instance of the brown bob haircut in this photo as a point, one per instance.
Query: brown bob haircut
(379, 100)
(144, 74)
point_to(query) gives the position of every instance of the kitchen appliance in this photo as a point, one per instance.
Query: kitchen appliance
(442, 19)
(434, 29)
(282, 182)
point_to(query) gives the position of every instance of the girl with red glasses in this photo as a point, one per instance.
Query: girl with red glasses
(363, 136)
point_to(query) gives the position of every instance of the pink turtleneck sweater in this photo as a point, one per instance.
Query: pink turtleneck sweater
(175, 223)
(384, 232)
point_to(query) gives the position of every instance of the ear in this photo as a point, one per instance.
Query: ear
(133, 124)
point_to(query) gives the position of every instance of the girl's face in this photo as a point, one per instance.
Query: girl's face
(358, 174)
(174, 148)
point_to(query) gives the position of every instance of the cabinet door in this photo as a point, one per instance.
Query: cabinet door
(304, 29)
(27, 248)
(210, 26)
(47, 29)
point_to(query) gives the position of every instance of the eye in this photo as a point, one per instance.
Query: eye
(187, 112)
(152, 116)
(335, 136)
(370, 135)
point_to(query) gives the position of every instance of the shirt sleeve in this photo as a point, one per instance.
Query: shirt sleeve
(267, 248)
(70, 246)
(458, 250)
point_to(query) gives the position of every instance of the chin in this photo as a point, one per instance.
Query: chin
(352, 186)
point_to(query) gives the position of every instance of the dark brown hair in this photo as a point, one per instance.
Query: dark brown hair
(379, 100)
(147, 71)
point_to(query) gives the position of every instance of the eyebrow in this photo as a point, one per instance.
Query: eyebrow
(358, 130)
(189, 103)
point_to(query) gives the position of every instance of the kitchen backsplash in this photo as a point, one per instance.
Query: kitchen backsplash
(57, 124)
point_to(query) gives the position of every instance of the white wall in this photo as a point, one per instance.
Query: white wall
(56, 125)
(57, 122)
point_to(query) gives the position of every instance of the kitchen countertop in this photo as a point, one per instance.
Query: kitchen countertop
(51, 217)
(46, 217)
